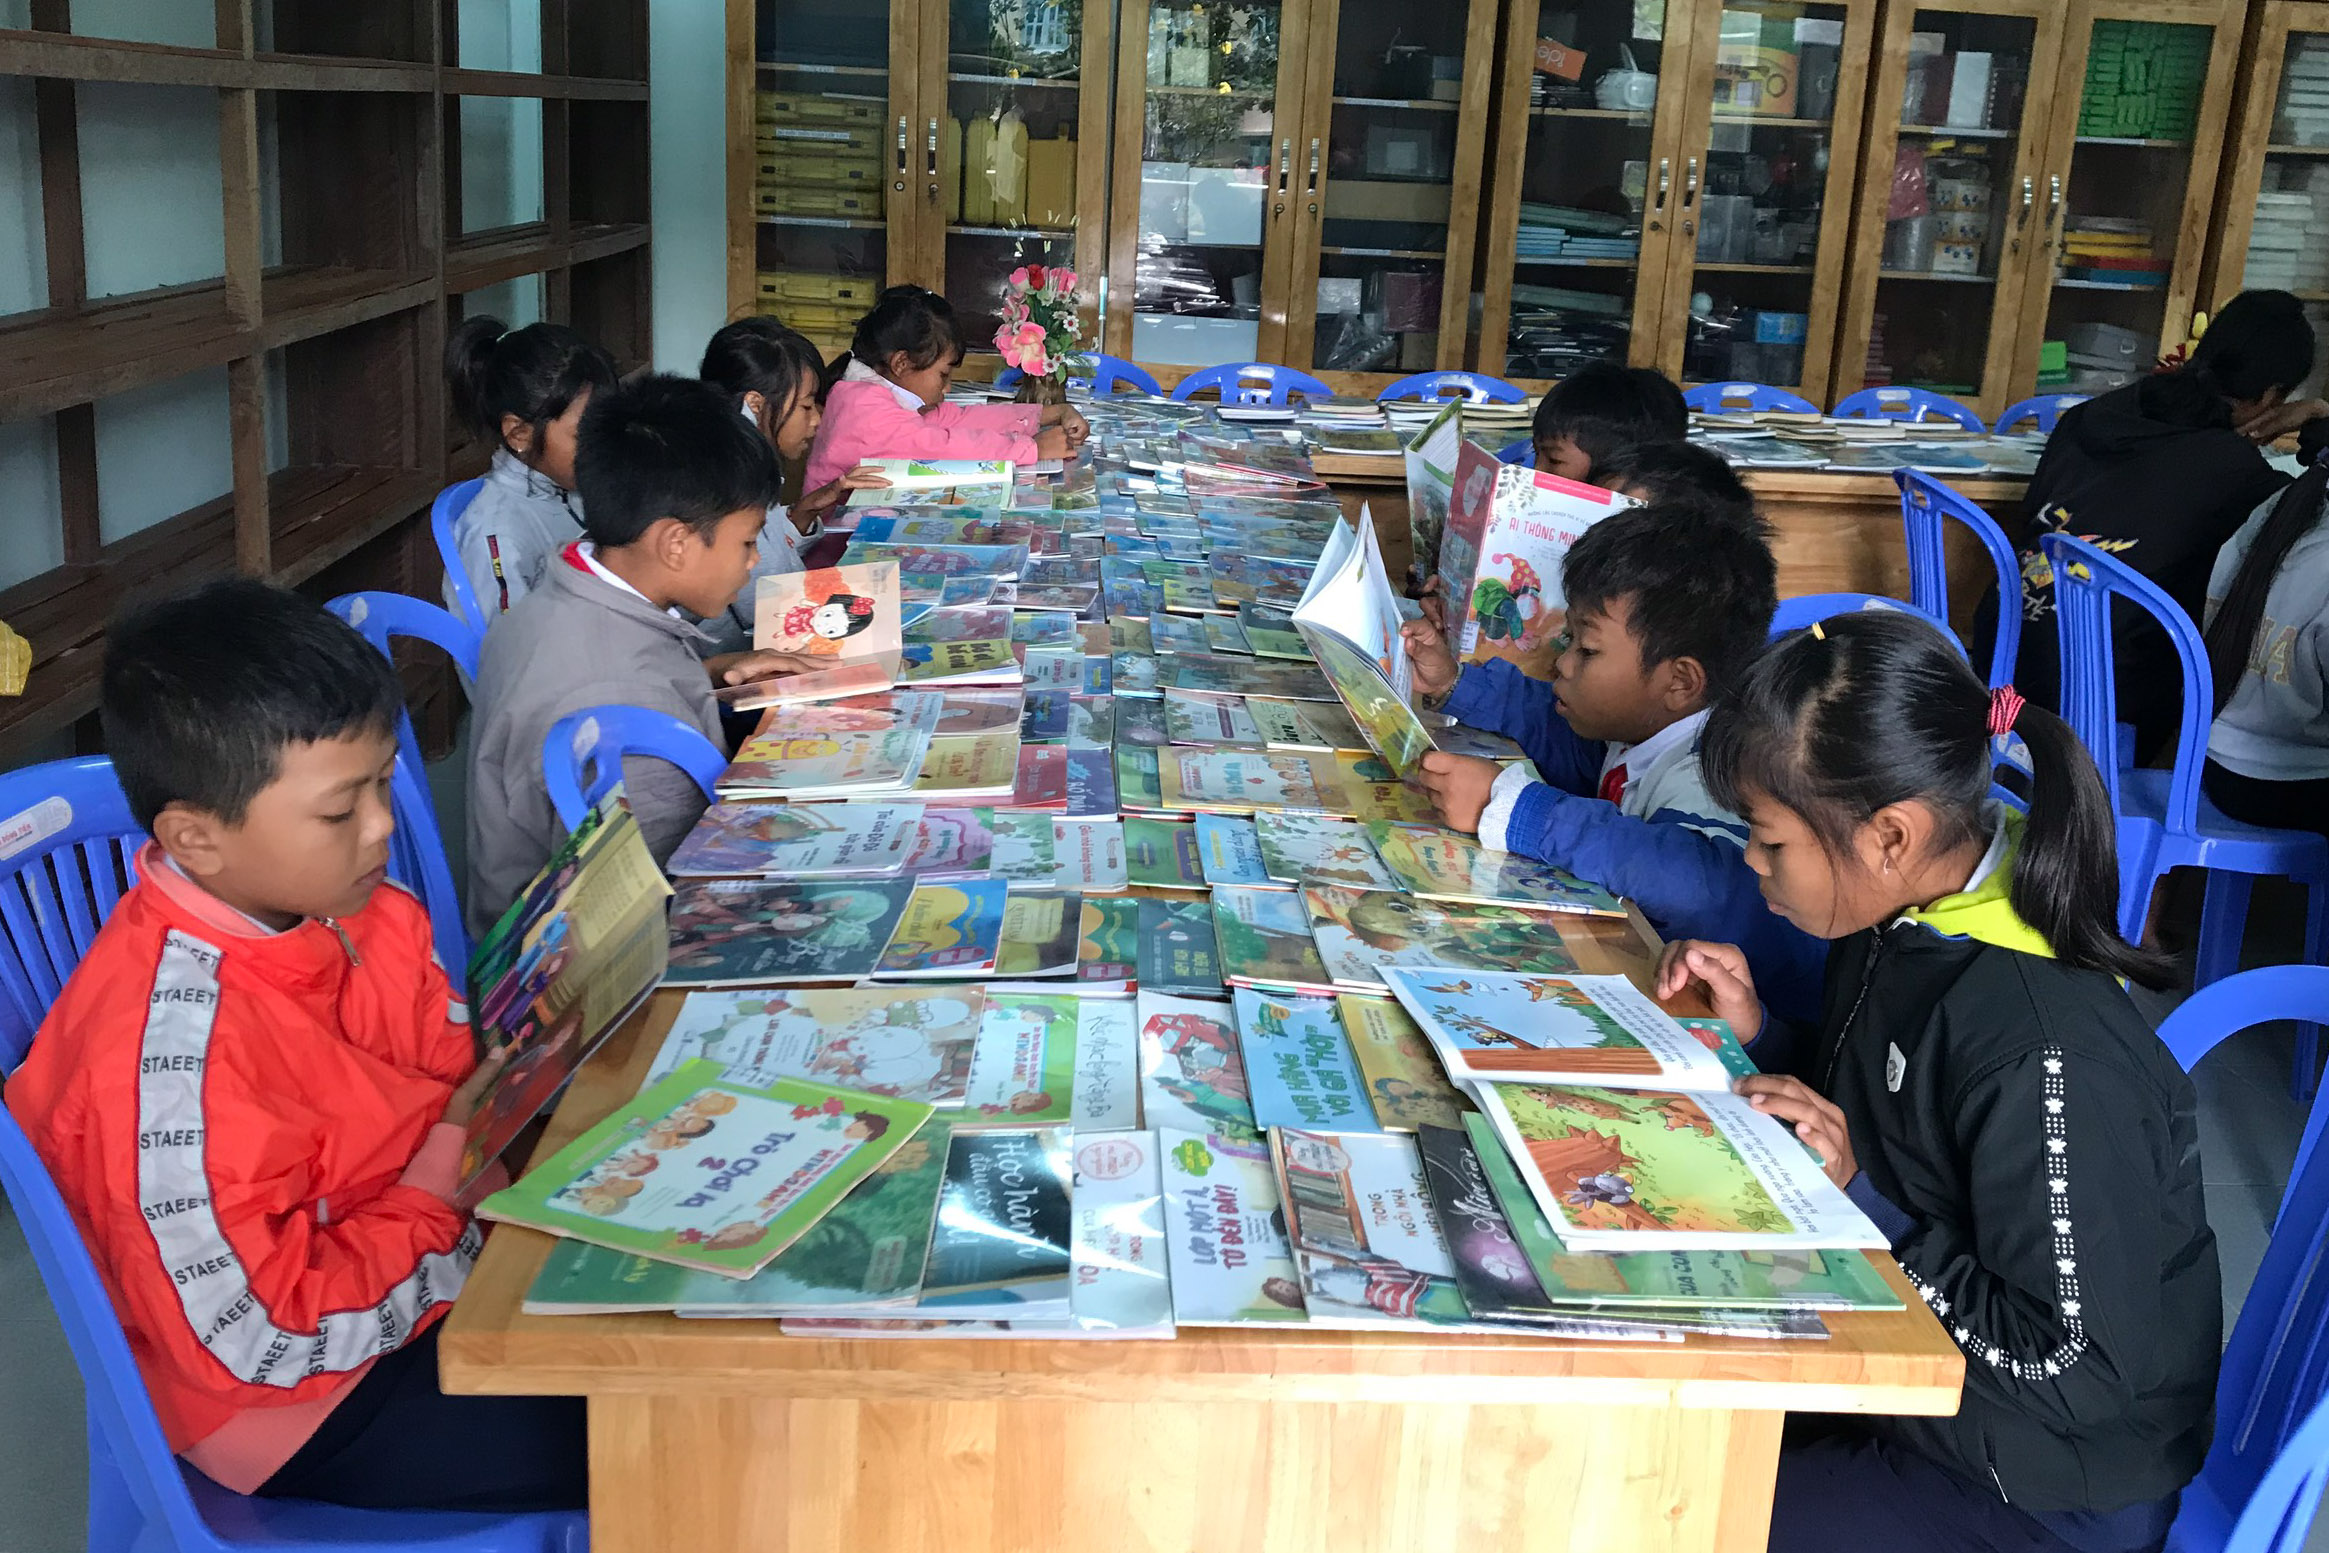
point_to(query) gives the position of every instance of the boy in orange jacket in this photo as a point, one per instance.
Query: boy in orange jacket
(253, 1090)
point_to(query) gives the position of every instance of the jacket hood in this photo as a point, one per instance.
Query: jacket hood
(2115, 425)
(1984, 910)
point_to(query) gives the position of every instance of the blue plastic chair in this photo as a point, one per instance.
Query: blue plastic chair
(1521, 452)
(1924, 503)
(2045, 409)
(1797, 614)
(576, 764)
(2267, 995)
(416, 853)
(2164, 820)
(1106, 372)
(444, 514)
(73, 853)
(1471, 387)
(1251, 382)
(1905, 404)
(1713, 398)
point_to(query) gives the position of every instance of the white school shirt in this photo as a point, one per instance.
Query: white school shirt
(1648, 768)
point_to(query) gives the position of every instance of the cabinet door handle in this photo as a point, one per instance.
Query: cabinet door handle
(1312, 191)
(933, 148)
(1690, 183)
(901, 148)
(2029, 197)
(1665, 180)
(1285, 162)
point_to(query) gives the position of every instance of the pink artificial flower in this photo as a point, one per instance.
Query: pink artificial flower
(1064, 282)
(1034, 363)
(1030, 337)
(1019, 277)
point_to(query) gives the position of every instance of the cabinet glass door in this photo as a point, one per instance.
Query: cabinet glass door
(1206, 179)
(1767, 175)
(1582, 196)
(1020, 149)
(2279, 239)
(1399, 103)
(1952, 214)
(833, 143)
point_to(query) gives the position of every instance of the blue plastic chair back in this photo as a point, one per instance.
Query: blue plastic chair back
(1905, 404)
(1713, 398)
(444, 515)
(2044, 409)
(1924, 503)
(582, 755)
(1251, 382)
(2279, 1514)
(1798, 613)
(2297, 993)
(70, 850)
(1521, 452)
(416, 853)
(1100, 381)
(1471, 387)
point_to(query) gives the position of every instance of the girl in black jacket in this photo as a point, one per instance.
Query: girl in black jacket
(1982, 1087)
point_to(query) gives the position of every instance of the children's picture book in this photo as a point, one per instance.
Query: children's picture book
(1242, 781)
(1177, 634)
(978, 711)
(1139, 781)
(951, 843)
(1109, 952)
(1238, 580)
(1299, 1064)
(1162, 854)
(1405, 1083)
(1264, 939)
(678, 1174)
(1044, 719)
(1349, 616)
(1107, 1069)
(911, 1043)
(959, 663)
(1359, 1216)
(1023, 1067)
(1305, 725)
(1228, 851)
(1091, 723)
(1140, 720)
(1431, 479)
(1044, 628)
(1178, 952)
(1374, 792)
(934, 476)
(947, 930)
(1226, 1231)
(1123, 1283)
(1446, 865)
(1127, 635)
(1302, 849)
(1498, 1026)
(746, 932)
(1358, 932)
(943, 561)
(1026, 847)
(1222, 675)
(1042, 777)
(934, 529)
(1224, 634)
(1091, 782)
(1131, 673)
(1508, 527)
(1192, 1071)
(1040, 929)
(867, 1252)
(1090, 856)
(1194, 719)
(1636, 1170)
(844, 619)
(1001, 1242)
(800, 840)
(1270, 633)
(1492, 1271)
(834, 752)
(965, 766)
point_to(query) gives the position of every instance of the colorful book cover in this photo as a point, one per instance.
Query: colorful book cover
(1305, 725)
(943, 560)
(1100, 677)
(1023, 1067)
(1042, 777)
(1264, 940)
(1091, 782)
(1497, 1026)
(676, 1174)
(1044, 721)
(799, 840)
(1132, 674)
(1358, 932)
(1225, 676)
(893, 529)
(978, 711)
(1040, 929)
(1128, 635)
(952, 841)
(1228, 851)
(1178, 952)
(970, 765)
(1226, 1231)
(1002, 1235)
(844, 618)
(1358, 1215)
(969, 663)
(1445, 865)
(947, 930)
(1189, 595)
(1270, 633)
(1224, 634)
(1256, 579)
(1091, 723)
(911, 1043)
(1044, 628)
(1122, 1281)
(1140, 721)
(1405, 1082)
(1107, 1075)
(1109, 950)
(979, 624)
(1192, 1072)
(935, 475)
(1243, 781)
(1053, 668)
(1090, 855)
(1026, 847)
(1492, 1271)
(1635, 1170)
(850, 750)
(1315, 849)
(1299, 1064)
(1349, 616)
(1194, 719)
(867, 1251)
(1177, 634)
(1508, 527)
(1162, 854)
(738, 932)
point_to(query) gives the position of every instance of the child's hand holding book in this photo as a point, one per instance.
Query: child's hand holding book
(1427, 652)
(1460, 786)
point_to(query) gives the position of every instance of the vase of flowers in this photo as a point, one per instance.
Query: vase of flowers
(1040, 331)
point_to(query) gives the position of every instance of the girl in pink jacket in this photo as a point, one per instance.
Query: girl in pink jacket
(890, 399)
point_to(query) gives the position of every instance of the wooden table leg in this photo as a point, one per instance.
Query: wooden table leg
(716, 1474)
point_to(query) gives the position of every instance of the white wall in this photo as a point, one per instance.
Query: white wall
(687, 129)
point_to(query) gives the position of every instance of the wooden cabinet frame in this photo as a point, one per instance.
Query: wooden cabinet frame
(2263, 57)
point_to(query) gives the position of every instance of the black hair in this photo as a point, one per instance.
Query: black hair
(535, 373)
(1697, 589)
(201, 691)
(668, 447)
(1604, 408)
(761, 356)
(1877, 708)
(910, 319)
(1679, 473)
(2258, 341)
(2232, 632)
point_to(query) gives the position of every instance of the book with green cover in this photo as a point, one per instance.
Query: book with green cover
(1359, 932)
(1178, 952)
(1162, 854)
(679, 1173)
(1264, 939)
(1405, 1082)
(1444, 865)
(1313, 849)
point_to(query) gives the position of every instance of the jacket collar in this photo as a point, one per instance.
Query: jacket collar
(515, 475)
(1983, 911)
(314, 947)
(859, 372)
(1678, 737)
(578, 579)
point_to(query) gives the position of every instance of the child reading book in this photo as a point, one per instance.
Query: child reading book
(1665, 608)
(889, 401)
(1985, 1090)
(1601, 409)
(252, 1092)
(523, 391)
(1669, 473)
(675, 490)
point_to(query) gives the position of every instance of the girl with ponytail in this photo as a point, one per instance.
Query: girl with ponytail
(1983, 1088)
(2268, 639)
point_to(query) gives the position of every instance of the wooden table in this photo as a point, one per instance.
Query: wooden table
(723, 1436)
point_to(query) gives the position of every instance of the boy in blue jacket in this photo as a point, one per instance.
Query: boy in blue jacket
(1665, 607)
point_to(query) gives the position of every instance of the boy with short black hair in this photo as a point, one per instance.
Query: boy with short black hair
(1664, 609)
(252, 1092)
(675, 486)
(1600, 410)
(1678, 474)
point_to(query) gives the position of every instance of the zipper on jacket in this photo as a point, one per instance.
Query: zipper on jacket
(348, 944)
(1867, 979)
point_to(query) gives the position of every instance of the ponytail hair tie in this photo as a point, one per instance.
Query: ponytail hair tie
(1819, 631)
(2005, 704)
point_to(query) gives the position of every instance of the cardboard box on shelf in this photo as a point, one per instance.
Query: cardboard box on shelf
(1051, 181)
(1359, 199)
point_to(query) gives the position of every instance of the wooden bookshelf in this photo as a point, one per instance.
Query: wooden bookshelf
(348, 328)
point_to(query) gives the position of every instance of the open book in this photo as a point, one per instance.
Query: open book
(846, 617)
(1349, 618)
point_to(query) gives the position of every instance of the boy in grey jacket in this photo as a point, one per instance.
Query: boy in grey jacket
(675, 488)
